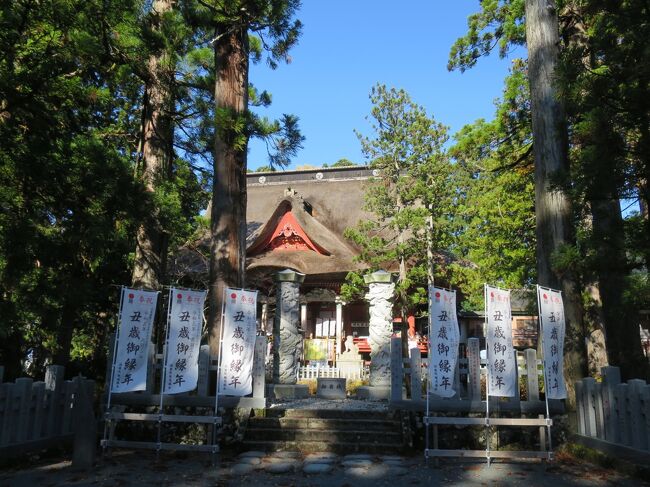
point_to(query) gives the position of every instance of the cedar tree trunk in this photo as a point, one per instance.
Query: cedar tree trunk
(157, 153)
(621, 325)
(552, 205)
(228, 215)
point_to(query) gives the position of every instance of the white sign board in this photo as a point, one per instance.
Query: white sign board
(553, 330)
(444, 336)
(238, 343)
(133, 338)
(184, 326)
(502, 362)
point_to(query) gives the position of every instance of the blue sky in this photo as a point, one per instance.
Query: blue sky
(349, 46)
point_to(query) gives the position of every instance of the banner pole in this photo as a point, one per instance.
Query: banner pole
(219, 357)
(428, 388)
(487, 376)
(541, 337)
(163, 374)
(110, 384)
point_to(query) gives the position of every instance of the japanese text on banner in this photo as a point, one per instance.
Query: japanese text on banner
(551, 318)
(502, 363)
(444, 338)
(184, 340)
(134, 335)
(238, 345)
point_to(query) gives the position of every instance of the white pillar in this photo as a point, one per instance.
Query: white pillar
(339, 324)
(303, 317)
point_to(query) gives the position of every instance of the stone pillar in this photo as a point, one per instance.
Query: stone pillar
(380, 296)
(286, 334)
(339, 325)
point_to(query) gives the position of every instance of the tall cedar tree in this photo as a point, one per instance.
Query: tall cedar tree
(242, 30)
(68, 199)
(157, 149)
(553, 211)
(502, 23)
(606, 82)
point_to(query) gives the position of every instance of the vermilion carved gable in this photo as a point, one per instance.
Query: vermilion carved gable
(288, 235)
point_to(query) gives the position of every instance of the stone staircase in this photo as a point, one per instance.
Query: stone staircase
(338, 431)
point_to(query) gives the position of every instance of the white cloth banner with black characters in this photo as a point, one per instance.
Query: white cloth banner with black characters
(134, 336)
(502, 360)
(553, 330)
(184, 326)
(238, 344)
(444, 336)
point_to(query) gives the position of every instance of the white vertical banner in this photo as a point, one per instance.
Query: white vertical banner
(502, 361)
(444, 337)
(553, 330)
(184, 326)
(134, 336)
(238, 342)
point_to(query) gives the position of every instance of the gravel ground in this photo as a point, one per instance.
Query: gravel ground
(137, 469)
(124, 468)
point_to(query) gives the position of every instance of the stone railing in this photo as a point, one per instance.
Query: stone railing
(614, 412)
(36, 415)
(470, 397)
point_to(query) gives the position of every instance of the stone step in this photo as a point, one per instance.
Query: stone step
(332, 430)
(330, 414)
(338, 447)
(329, 436)
(325, 424)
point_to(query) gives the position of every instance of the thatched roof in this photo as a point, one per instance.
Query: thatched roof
(324, 202)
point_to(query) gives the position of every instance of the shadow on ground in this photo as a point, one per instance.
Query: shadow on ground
(136, 468)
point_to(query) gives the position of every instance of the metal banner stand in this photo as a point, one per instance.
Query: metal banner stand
(219, 362)
(118, 321)
(487, 378)
(160, 418)
(488, 453)
(220, 358)
(428, 390)
(163, 372)
(549, 422)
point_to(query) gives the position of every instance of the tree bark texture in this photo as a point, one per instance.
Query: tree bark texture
(621, 323)
(228, 209)
(552, 205)
(594, 320)
(157, 154)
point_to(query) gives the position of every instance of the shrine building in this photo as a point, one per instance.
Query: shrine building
(296, 219)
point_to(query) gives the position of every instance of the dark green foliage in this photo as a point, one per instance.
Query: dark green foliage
(494, 220)
(603, 81)
(273, 31)
(69, 202)
(499, 24)
(343, 163)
